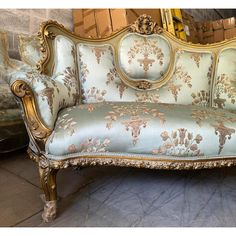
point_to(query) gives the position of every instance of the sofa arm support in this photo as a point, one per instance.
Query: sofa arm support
(41, 98)
(34, 122)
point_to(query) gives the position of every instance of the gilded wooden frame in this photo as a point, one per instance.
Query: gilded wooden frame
(39, 132)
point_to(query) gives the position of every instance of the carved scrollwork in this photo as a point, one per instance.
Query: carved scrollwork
(23, 91)
(48, 183)
(33, 156)
(49, 211)
(43, 35)
(39, 66)
(49, 34)
(35, 128)
(150, 164)
(145, 25)
(140, 163)
(43, 162)
(144, 85)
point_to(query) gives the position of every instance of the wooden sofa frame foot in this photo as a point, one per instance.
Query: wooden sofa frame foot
(48, 183)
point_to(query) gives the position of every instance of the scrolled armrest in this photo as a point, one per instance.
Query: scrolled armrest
(23, 91)
(41, 98)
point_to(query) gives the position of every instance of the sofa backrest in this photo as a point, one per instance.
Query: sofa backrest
(144, 63)
(224, 87)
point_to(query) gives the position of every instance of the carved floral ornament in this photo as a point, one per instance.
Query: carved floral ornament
(138, 163)
(145, 25)
(144, 85)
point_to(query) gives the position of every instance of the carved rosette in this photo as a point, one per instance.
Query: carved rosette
(49, 34)
(145, 25)
(144, 85)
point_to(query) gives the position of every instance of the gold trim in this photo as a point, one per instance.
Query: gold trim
(45, 64)
(50, 29)
(49, 34)
(140, 162)
(39, 131)
(49, 210)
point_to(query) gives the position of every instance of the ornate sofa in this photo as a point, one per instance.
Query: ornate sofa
(139, 98)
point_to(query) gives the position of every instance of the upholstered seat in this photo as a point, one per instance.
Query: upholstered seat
(143, 128)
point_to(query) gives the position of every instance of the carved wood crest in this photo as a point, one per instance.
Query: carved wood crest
(145, 25)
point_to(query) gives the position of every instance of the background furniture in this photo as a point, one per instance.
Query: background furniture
(13, 135)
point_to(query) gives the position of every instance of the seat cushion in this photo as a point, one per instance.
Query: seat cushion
(164, 130)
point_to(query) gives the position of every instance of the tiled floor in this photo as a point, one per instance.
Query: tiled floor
(109, 196)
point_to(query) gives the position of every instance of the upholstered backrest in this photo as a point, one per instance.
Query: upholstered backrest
(224, 94)
(138, 63)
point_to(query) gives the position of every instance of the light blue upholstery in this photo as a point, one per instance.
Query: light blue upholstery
(224, 94)
(189, 83)
(143, 128)
(51, 94)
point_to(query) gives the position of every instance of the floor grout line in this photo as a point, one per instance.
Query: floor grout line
(20, 177)
(21, 221)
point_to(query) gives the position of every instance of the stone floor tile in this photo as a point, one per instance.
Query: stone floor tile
(110, 196)
(18, 199)
(19, 164)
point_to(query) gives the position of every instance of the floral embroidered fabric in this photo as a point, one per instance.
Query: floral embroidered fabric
(225, 80)
(100, 80)
(51, 94)
(144, 57)
(144, 128)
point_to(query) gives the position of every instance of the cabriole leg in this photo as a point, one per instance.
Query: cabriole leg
(48, 183)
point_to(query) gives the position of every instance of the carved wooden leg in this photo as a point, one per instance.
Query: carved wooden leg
(48, 183)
